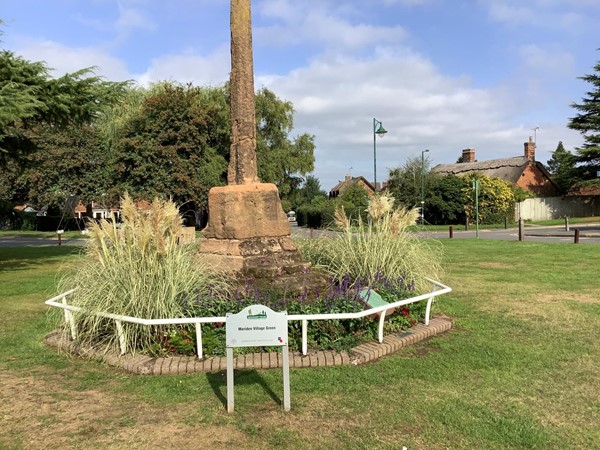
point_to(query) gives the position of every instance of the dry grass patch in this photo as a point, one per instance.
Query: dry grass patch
(496, 265)
(41, 413)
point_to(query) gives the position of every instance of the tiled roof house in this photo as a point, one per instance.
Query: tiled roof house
(523, 171)
(339, 188)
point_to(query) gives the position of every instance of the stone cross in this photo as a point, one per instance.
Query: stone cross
(242, 160)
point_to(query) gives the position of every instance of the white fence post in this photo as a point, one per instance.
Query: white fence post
(381, 323)
(121, 337)
(304, 337)
(199, 339)
(69, 319)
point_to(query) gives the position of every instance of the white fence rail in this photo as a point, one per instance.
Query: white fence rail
(60, 301)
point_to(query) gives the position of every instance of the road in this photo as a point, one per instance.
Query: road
(588, 234)
(24, 241)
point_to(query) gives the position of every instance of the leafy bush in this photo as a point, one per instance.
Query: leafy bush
(340, 297)
(139, 270)
(381, 246)
(496, 199)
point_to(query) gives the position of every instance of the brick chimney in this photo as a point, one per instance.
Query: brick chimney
(347, 178)
(530, 150)
(468, 155)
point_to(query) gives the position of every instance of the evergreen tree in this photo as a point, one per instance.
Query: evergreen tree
(562, 168)
(587, 122)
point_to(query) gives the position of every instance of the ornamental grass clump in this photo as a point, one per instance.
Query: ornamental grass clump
(138, 269)
(381, 247)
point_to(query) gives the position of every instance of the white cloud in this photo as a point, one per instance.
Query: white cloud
(505, 12)
(64, 59)
(131, 19)
(336, 99)
(305, 22)
(550, 61)
(189, 67)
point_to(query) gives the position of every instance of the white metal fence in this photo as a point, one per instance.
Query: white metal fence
(60, 301)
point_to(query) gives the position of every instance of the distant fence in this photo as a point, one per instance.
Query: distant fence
(547, 208)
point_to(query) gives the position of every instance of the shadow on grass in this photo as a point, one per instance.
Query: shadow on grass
(218, 383)
(17, 258)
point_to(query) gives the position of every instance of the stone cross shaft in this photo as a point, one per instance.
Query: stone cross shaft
(242, 163)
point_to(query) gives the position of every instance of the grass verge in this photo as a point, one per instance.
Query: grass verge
(519, 370)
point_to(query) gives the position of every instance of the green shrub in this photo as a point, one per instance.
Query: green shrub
(139, 270)
(340, 297)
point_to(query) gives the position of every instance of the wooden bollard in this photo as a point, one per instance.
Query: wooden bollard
(521, 230)
(577, 235)
(451, 231)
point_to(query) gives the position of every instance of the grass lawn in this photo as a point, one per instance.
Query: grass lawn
(519, 370)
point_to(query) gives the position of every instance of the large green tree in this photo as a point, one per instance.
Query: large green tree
(166, 147)
(68, 161)
(562, 168)
(29, 97)
(587, 122)
(281, 160)
(176, 140)
(404, 182)
(444, 199)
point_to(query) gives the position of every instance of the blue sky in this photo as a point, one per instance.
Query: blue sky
(440, 74)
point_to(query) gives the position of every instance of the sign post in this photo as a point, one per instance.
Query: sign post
(257, 326)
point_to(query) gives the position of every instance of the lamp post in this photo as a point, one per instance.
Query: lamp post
(423, 186)
(476, 189)
(378, 130)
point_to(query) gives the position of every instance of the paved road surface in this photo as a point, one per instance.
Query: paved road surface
(588, 234)
(23, 241)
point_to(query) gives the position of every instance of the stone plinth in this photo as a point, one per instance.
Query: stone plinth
(248, 234)
(244, 211)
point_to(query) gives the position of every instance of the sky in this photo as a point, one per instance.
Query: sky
(442, 75)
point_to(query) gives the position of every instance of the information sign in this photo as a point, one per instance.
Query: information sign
(256, 326)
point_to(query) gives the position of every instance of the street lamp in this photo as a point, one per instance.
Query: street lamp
(476, 189)
(423, 186)
(378, 130)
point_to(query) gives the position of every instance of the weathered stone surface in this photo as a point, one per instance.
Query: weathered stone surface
(245, 211)
(242, 161)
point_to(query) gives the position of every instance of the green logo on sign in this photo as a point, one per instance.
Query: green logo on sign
(260, 315)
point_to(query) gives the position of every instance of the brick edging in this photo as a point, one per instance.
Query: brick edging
(364, 353)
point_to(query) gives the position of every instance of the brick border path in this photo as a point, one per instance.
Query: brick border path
(364, 353)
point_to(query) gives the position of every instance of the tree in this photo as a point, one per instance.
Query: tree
(404, 182)
(587, 122)
(444, 199)
(355, 200)
(198, 118)
(496, 198)
(30, 97)
(309, 192)
(165, 148)
(68, 161)
(562, 168)
(280, 160)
